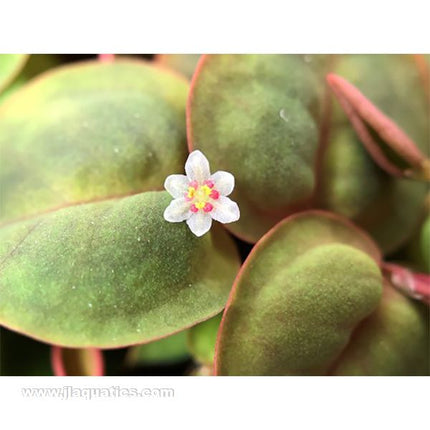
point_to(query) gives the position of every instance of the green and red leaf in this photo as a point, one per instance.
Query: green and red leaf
(257, 116)
(364, 115)
(111, 274)
(298, 297)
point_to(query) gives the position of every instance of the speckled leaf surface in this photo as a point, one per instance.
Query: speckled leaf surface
(167, 350)
(111, 273)
(89, 131)
(202, 339)
(393, 84)
(390, 209)
(351, 181)
(299, 295)
(10, 65)
(256, 116)
(394, 340)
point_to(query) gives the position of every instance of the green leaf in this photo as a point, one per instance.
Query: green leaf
(35, 65)
(298, 297)
(111, 273)
(425, 242)
(394, 85)
(394, 340)
(10, 65)
(391, 148)
(168, 350)
(418, 249)
(353, 185)
(202, 339)
(90, 131)
(256, 116)
(390, 209)
(396, 210)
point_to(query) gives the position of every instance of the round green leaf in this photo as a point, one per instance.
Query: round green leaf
(299, 295)
(256, 116)
(394, 340)
(10, 65)
(90, 131)
(111, 273)
(202, 339)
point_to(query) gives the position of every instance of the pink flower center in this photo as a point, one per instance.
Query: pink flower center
(200, 196)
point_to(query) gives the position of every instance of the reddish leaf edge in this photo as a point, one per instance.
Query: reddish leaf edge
(362, 114)
(189, 130)
(108, 346)
(413, 284)
(375, 254)
(59, 368)
(300, 206)
(44, 76)
(193, 82)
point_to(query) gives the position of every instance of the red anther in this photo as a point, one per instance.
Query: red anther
(209, 183)
(214, 195)
(208, 207)
(193, 208)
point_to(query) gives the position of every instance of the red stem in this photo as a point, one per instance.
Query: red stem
(415, 285)
(60, 369)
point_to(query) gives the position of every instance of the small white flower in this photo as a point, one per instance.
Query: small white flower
(200, 197)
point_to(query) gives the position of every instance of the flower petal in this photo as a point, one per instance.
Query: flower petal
(225, 210)
(197, 167)
(224, 182)
(200, 223)
(177, 211)
(176, 185)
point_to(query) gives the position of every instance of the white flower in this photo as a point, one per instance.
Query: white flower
(200, 197)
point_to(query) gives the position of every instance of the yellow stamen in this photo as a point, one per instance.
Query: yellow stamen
(206, 189)
(200, 205)
(191, 192)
